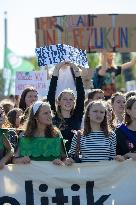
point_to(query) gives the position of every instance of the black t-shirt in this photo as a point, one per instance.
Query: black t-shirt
(67, 125)
(106, 82)
(123, 144)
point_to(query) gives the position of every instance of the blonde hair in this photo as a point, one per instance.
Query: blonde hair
(59, 107)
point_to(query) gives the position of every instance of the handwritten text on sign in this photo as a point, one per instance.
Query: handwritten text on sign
(36, 79)
(54, 54)
(88, 32)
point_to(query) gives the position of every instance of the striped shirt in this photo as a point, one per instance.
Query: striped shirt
(95, 146)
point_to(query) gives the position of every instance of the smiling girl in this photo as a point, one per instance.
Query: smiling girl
(69, 109)
(42, 141)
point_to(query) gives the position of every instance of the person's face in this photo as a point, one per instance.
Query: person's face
(132, 111)
(98, 96)
(2, 116)
(67, 101)
(97, 113)
(18, 118)
(109, 58)
(119, 104)
(44, 116)
(30, 98)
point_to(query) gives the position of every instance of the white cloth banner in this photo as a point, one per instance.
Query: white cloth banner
(54, 54)
(42, 183)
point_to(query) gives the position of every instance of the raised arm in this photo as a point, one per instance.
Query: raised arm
(104, 65)
(53, 86)
(79, 109)
(129, 64)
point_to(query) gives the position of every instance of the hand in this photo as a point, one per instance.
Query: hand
(68, 161)
(57, 68)
(131, 155)
(2, 164)
(21, 160)
(119, 158)
(75, 69)
(59, 65)
(133, 61)
(58, 162)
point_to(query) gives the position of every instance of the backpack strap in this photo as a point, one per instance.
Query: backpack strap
(78, 143)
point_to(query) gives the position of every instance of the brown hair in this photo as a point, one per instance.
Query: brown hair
(111, 122)
(92, 93)
(12, 116)
(129, 105)
(130, 94)
(103, 125)
(7, 104)
(115, 95)
(31, 125)
(22, 103)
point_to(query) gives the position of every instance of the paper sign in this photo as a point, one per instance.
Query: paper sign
(54, 54)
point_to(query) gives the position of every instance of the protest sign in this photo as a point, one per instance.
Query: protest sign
(131, 85)
(54, 54)
(93, 33)
(36, 79)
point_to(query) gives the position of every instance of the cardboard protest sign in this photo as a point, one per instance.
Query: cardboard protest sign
(36, 79)
(54, 54)
(112, 32)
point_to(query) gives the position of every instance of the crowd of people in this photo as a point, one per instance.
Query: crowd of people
(69, 128)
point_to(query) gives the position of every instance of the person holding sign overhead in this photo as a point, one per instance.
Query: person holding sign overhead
(69, 110)
(105, 74)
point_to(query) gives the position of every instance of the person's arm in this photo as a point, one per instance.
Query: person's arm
(104, 66)
(53, 86)
(129, 64)
(79, 109)
(130, 155)
(21, 160)
(9, 152)
(68, 161)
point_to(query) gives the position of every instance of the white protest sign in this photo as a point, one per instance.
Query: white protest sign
(131, 85)
(54, 54)
(42, 183)
(36, 79)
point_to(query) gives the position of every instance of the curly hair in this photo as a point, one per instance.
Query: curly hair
(31, 125)
(104, 124)
(12, 116)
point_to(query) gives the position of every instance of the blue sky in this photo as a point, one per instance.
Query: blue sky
(21, 14)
